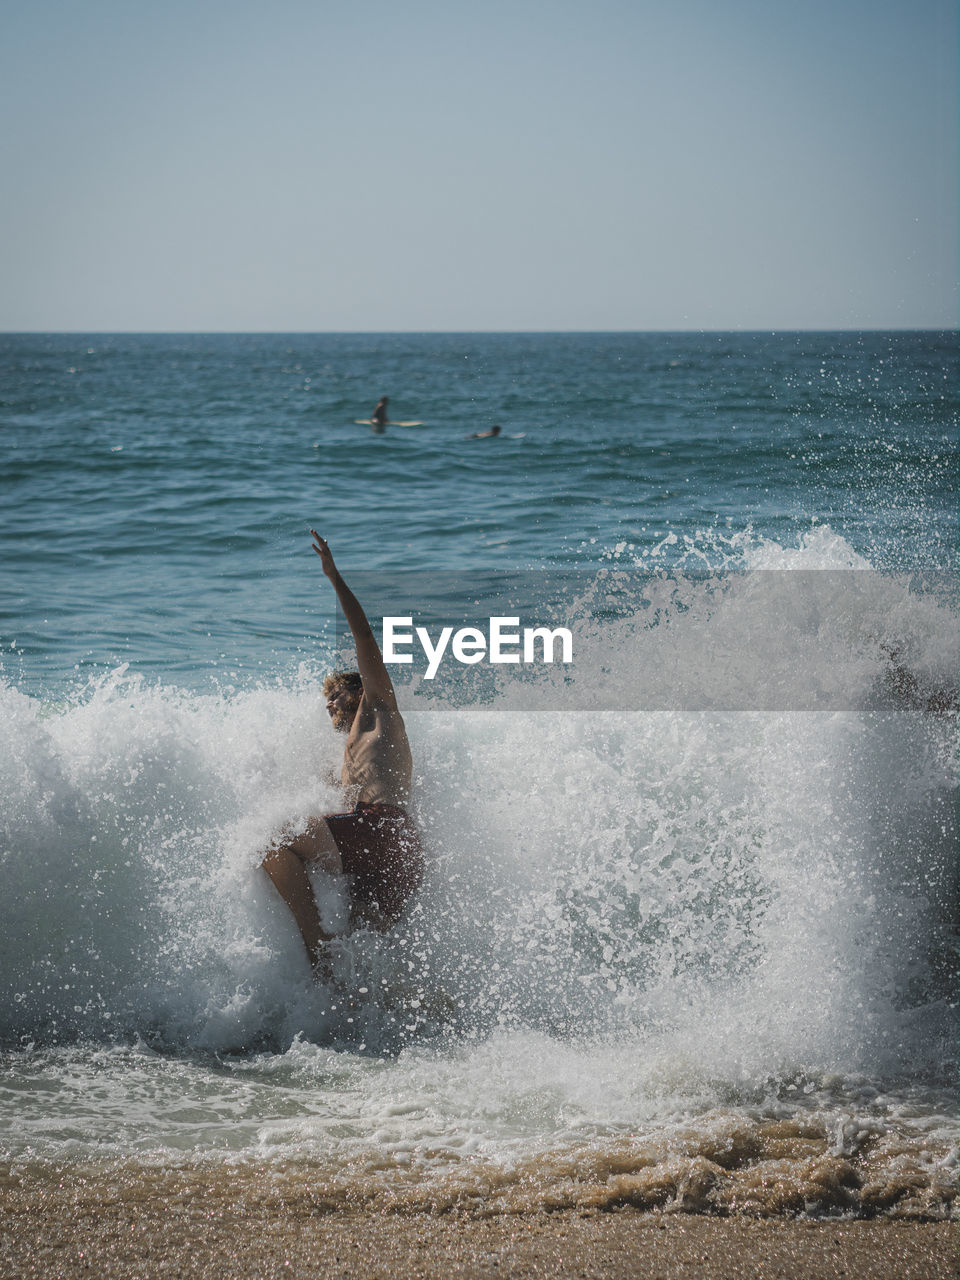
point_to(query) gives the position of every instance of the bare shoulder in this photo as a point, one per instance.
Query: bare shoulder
(388, 712)
(380, 715)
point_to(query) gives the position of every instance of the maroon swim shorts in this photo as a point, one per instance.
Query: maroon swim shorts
(381, 853)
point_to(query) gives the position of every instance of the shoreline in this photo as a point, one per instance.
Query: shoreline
(203, 1226)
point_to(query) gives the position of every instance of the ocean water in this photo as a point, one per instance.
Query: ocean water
(688, 936)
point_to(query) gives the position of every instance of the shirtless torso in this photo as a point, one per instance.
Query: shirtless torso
(377, 764)
(374, 843)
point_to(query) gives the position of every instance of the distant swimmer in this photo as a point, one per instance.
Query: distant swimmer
(484, 435)
(374, 844)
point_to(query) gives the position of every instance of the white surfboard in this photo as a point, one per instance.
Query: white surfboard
(369, 422)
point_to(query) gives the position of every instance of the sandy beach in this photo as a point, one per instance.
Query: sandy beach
(203, 1226)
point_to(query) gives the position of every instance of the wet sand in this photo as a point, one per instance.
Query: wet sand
(191, 1229)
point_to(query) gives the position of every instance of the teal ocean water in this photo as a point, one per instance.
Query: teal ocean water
(688, 934)
(157, 489)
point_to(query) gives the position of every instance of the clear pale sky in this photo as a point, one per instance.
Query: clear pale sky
(498, 164)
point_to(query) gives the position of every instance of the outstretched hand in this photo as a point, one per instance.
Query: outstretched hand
(326, 556)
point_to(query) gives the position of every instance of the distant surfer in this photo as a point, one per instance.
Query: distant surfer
(484, 435)
(379, 418)
(375, 844)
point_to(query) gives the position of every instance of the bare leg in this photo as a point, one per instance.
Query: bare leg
(285, 864)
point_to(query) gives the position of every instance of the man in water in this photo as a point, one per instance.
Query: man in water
(375, 844)
(484, 435)
(379, 416)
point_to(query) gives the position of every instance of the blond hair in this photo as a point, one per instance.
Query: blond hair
(337, 680)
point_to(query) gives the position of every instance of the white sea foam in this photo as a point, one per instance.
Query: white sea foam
(631, 915)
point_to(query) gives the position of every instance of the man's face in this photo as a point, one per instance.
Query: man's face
(342, 707)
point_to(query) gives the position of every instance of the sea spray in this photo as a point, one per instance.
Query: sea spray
(591, 871)
(635, 917)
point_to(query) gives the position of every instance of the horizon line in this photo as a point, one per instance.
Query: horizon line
(932, 328)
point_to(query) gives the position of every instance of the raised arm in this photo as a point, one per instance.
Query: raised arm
(377, 685)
